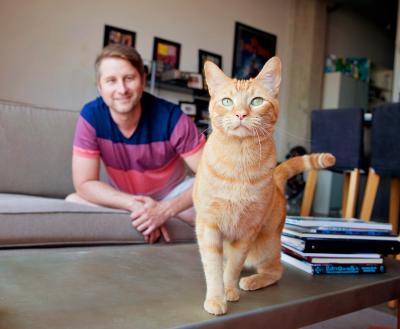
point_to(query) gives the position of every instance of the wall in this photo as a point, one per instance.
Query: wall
(349, 34)
(50, 45)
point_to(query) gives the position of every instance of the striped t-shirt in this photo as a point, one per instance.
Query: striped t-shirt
(150, 162)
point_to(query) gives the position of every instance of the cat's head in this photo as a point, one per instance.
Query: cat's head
(244, 108)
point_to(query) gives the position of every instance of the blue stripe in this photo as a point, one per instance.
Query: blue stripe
(156, 124)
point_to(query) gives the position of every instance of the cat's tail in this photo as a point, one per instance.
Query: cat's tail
(298, 164)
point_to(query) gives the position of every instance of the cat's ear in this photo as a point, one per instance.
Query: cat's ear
(214, 76)
(270, 75)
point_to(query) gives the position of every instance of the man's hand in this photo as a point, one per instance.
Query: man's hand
(156, 234)
(150, 217)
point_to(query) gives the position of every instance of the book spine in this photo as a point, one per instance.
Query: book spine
(350, 246)
(348, 269)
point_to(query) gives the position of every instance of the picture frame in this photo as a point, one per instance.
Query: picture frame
(252, 49)
(166, 54)
(189, 108)
(114, 34)
(195, 81)
(204, 56)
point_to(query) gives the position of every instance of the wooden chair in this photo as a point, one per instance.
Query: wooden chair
(385, 161)
(340, 132)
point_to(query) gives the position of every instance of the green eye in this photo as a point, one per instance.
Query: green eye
(227, 102)
(257, 101)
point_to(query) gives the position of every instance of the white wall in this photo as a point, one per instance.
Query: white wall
(349, 34)
(49, 46)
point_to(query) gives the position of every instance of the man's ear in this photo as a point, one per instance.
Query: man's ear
(270, 75)
(214, 76)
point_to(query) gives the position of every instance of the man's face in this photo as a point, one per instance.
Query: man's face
(120, 85)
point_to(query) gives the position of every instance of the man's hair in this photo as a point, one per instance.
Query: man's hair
(127, 53)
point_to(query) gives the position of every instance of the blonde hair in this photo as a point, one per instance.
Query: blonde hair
(127, 53)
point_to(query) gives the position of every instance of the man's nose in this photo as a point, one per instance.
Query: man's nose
(121, 87)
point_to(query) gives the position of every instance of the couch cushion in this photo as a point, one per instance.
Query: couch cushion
(36, 149)
(37, 221)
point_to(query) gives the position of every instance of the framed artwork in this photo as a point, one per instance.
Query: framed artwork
(189, 108)
(116, 35)
(252, 48)
(166, 54)
(208, 56)
(195, 81)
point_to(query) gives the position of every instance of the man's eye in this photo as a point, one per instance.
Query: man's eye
(227, 102)
(257, 101)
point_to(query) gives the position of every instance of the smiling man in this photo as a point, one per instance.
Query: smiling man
(144, 143)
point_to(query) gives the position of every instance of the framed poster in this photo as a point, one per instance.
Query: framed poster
(116, 35)
(208, 56)
(166, 54)
(252, 49)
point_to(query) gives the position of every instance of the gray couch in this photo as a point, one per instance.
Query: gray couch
(35, 177)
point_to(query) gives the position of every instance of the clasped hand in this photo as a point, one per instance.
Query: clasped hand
(150, 219)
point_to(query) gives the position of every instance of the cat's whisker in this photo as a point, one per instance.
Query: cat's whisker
(259, 144)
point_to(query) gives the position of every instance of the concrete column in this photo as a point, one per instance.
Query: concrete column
(305, 70)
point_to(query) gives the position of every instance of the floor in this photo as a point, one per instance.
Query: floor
(375, 317)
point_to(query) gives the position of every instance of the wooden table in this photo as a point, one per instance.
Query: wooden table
(162, 286)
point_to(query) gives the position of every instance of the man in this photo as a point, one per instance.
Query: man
(143, 142)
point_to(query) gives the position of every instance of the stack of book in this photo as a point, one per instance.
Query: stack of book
(319, 245)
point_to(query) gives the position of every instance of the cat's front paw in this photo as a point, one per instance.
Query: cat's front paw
(232, 294)
(215, 305)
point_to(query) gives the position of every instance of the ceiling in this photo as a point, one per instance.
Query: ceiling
(382, 13)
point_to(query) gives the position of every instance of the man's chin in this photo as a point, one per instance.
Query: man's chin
(124, 108)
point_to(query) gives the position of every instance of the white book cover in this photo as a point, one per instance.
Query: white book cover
(337, 222)
(294, 233)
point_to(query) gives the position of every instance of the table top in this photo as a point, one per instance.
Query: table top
(162, 286)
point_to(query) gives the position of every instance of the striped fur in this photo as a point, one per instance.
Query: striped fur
(239, 190)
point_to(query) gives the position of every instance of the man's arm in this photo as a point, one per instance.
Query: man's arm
(85, 175)
(155, 214)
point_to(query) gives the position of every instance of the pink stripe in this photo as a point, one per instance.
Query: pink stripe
(86, 153)
(185, 136)
(139, 157)
(198, 147)
(156, 183)
(85, 135)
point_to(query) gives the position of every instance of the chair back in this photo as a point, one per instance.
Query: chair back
(340, 132)
(385, 140)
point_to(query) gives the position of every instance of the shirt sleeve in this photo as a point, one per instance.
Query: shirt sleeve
(186, 137)
(85, 141)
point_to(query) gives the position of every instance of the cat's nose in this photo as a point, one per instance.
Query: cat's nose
(241, 116)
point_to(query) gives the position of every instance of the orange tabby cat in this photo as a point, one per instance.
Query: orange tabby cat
(239, 191)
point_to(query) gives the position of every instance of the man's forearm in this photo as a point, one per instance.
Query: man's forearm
(180, 203)
(105, 195)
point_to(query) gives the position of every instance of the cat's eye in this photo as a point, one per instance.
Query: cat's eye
(257, 101)
(227, 102)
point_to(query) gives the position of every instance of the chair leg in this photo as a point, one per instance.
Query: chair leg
(352, 194)
(309, 190)
(369, 195)
(394, 203)
(345, 191)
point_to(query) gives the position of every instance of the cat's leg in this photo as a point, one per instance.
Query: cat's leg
(269, 267)
(235, 253)
(211, 251)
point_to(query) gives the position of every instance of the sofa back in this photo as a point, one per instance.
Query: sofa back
(36, 149)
